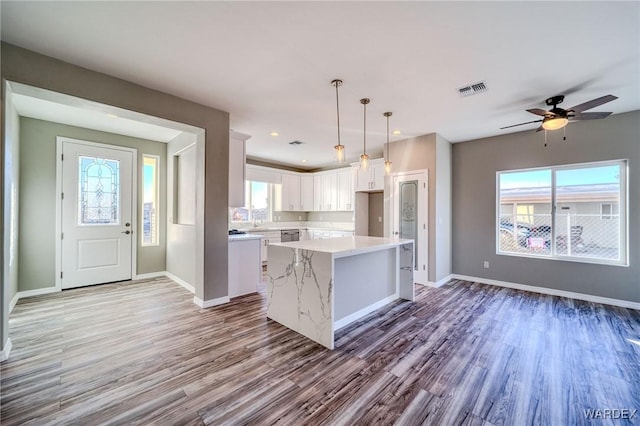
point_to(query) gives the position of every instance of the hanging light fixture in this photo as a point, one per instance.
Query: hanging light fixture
(339, 148)
(387, 161)
(364, 158)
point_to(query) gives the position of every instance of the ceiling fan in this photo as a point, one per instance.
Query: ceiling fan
(557, 118)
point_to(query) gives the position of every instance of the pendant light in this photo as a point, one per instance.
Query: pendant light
(387, 161)
(364, 158)
(339, 148)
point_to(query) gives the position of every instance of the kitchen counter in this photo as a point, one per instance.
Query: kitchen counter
(345, 246)
(244, 237)
(245, 264)
(316, 287)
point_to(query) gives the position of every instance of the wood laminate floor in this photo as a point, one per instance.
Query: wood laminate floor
(465, 353)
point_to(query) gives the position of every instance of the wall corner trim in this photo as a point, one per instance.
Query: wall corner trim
(180, 281)
(439, 283)
(552, 292)
(4, 355)
(212, 302)
(13, 302)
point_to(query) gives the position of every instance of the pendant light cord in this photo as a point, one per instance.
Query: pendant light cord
(387, 138)
(338, 111)
(364, 145)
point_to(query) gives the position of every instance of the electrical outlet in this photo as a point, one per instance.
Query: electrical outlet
(486, 264)
(380, 219)
(299, 217)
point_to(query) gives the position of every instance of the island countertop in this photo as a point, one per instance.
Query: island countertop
(345, 246)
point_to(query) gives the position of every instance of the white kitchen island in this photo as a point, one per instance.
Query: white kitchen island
(316, 287)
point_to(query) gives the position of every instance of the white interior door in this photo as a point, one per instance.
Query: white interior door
(409, 204)
(96, 213)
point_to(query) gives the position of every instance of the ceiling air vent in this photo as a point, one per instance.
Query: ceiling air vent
(472, 89)
(295, 143)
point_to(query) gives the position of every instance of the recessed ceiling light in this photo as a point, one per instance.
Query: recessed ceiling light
(396, 132)
(303, 161)
(274, 134)
(112, 116)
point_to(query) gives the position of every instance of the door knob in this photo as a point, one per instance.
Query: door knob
(126, 232)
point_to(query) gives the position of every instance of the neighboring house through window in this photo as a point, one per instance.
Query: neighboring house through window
(557, 212)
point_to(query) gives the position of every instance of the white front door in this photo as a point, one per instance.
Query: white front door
(409, 208)
(96, 213)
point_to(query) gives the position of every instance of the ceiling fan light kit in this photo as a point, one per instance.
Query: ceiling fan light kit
(554, 123)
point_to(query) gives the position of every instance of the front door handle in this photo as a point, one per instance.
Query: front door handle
(126, 232)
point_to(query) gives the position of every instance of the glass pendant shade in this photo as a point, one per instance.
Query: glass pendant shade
(387, 167)
(364, 161)
(339, 153)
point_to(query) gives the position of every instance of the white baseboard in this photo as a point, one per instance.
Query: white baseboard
(180, 281)
(4, 355)
(362, 312)
(209, 303)
(150, 275)
(37, 292)
(552, 292)
(14, 300)
(439, 283)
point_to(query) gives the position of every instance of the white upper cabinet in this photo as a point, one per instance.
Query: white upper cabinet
(333, 190)
(371, 179)
(290, 201)
(237, 173)
(318, 195)
(306, 193)
(346, 191)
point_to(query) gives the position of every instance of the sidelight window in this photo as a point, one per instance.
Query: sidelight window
(150, 173)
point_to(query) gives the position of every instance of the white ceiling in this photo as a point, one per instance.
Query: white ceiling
(270, 63)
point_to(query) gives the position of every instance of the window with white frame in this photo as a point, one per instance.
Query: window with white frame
(259, 203)
(557, 212)
(150, 173)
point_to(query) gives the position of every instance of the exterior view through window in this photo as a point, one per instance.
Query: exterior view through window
(258, 205)
(574, 212)
(150, 204)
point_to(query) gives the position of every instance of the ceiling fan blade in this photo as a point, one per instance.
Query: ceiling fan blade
(590, 116)
(538, 111)
(539, 129)
(521, 124)
(592, 103)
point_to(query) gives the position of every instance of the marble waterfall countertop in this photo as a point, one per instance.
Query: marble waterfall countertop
(345, 246)
(316, 287)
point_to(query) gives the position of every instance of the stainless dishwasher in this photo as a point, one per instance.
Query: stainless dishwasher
(287, 235)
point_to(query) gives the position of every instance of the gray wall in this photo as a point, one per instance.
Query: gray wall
(416, 154)
(37, 70)
(38, 194)
(475, 164)
(376, 210)
(443, 208)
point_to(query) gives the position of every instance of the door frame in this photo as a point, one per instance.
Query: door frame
(134, 202)
(392, 215)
